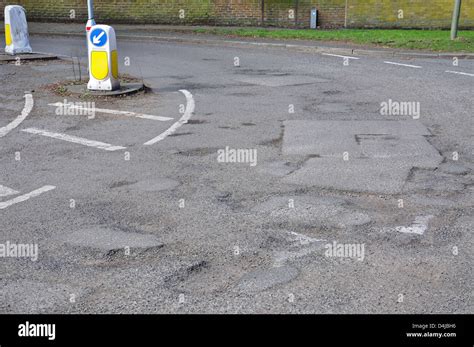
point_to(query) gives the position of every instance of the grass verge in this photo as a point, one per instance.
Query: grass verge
(431, 40)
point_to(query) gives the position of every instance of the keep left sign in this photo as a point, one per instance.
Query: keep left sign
(103, 59)
(98, 37)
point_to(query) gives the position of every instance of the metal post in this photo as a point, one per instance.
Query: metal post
(345, 13)
(90, 14)
(296, 12)
(90, 9)
(455, 22)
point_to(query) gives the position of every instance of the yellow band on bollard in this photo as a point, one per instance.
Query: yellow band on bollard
(115, 64)
(8, 35)
(99, 65)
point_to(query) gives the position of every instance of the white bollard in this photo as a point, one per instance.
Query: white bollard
(103, 59)
(16, 31)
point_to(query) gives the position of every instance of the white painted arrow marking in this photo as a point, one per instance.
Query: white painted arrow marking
(96, 39)
(29, 103)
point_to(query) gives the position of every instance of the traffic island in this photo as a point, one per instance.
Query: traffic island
(125, 89)
(129, 86)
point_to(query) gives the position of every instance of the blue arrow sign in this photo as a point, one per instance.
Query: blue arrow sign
(98, 37)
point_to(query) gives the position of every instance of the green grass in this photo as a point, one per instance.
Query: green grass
(432, 40)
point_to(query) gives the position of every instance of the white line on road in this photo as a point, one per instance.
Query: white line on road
(419, 226)
(29, 103)
(303, 239)
(461, 73)
(104, 110)
(74, 139)
(340, 56)
(25, 197)
(406, 65)
(5, 191)
(190, 105)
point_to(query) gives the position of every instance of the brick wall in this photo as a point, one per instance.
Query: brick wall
(416, 13)
(291, 13)
(281, 13)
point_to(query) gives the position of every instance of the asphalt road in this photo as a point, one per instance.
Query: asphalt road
(127, 221)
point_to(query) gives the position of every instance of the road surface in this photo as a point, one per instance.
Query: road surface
(251, 179)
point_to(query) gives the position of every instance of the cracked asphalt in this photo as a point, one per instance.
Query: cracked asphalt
(170, 228)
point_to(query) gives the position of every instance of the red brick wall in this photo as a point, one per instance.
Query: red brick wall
(332, 13)
(214, 12)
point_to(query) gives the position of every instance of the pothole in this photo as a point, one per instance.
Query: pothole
(155, 185)
(199, 152)
(197, 121)
(312, 211)
(121, 184)
(260, 280)
(184, 273)
(107, 242)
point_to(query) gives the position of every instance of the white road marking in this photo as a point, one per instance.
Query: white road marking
(418, 227)
(297, 239)
(406, 65)
(29, 103)
(74, 139)
(104, 110)
(461, 73)
(190, 106)
(303, 239)
(25, 197)
(5, 191)
(340, 56)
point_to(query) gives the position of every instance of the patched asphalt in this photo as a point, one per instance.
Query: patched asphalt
(168, 228)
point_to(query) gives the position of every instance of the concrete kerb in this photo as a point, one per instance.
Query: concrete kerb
(125, 89)
(319, 49)
(7, 58)
(417, 55)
